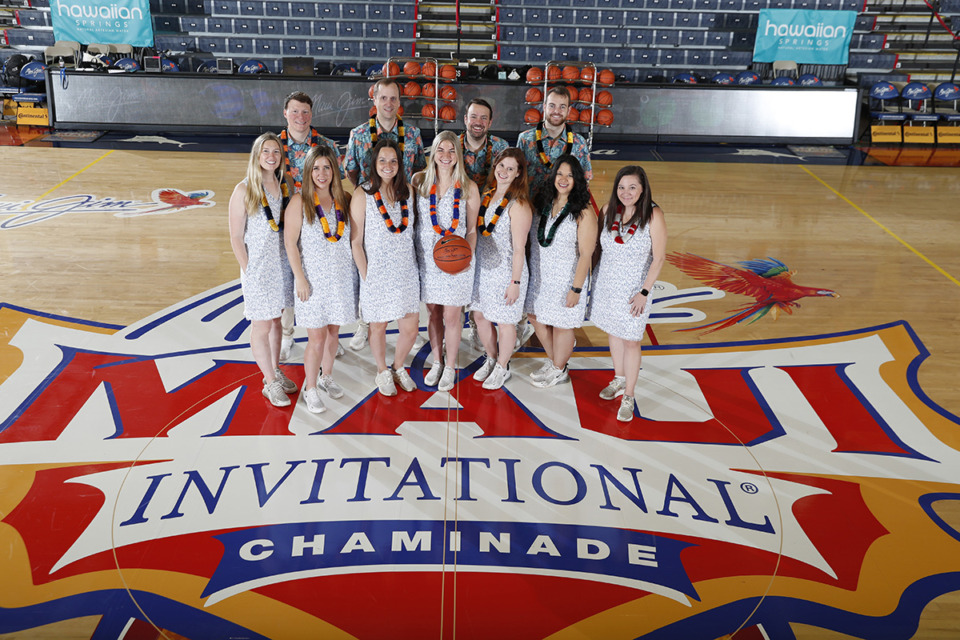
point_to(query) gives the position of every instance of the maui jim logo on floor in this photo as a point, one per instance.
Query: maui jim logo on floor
(163, 201)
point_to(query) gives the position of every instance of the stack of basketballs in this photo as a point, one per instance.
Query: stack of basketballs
(590, 101)
(434, 102)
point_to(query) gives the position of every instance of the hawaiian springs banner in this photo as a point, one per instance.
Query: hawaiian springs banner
(804, 36)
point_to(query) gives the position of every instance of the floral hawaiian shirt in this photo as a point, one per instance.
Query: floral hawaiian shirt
(360, 144)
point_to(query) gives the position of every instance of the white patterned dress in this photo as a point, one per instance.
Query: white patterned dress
(267, 283)
(332, 274)
(618, 277)
(495, 273)
(391, 289)
(552, 270)
(436, 286)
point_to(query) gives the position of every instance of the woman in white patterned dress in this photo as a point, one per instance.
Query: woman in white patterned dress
(383, 249)
(317, 237)
(502, 275)
(255, 216)
(448, 202)
(633, 241)
(563, 236)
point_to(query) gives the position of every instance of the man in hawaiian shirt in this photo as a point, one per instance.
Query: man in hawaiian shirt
(479, 146)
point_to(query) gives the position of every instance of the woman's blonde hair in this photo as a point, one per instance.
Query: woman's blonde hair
(430, 175)
(340, 197)
(255, 192)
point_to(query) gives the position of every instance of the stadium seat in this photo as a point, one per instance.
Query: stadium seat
(809, 80)
(252, 66)
(723, 78)
(277, 9)
(685, 78)
(947, 100)
(783, 81)
(918, 103)
(784, 69)
(884, 101)
(66, 50)
(747, 78)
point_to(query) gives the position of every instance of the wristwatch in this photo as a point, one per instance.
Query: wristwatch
(644, 292)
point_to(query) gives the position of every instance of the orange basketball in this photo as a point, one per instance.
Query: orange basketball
(573, 115)
(585, 95)
(604, 97)
(532, 116)
(448, 93)
(448, 71)
(534, 75)
(429, 111)
(605, 117)
(570, 73)
(447, 112)
(572, 90)
(533, 95)
(452, 254)
(411, 68)
(606, 77)
(411, 89)
(400, 111)
(370, 92)
(586, 74)
(429, 69)
(553, 73)
(393, 69)
(429, 90)
(585, 116)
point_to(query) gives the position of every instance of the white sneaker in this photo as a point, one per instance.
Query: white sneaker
(289, 386)
(433, 376)
(497, 377)
(448, 379)
(385, 384)
(419, 342)
(474, 336)
(625, 413)
(286, 346)
(541, 373)
(359, 339)
(340, 350)
(312, 397)
(485, 369)
(328, 384)
(275, 394)
(554, 377)
(614, 389)
(523, 335)
(403, 378)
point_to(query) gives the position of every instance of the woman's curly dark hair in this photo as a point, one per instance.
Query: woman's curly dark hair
(580, 195)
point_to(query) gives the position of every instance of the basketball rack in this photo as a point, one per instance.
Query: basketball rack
(592, 84)
(437, 100)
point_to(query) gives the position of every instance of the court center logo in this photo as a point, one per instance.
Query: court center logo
(760, 485)
(165, 200)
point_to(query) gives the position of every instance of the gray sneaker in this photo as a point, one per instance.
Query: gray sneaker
(312, 397)
(433, 376)
(497, 377)
(542, 372)
(402, 378)
(328, 384)
(359, 339)
(524, 332)
(286, 346)
(485, 369)
(614, 389)
(448, 379)
(289, 386)
(275, 394)
(625, 413)
(385, 384)
(340, 350)
(554, 377)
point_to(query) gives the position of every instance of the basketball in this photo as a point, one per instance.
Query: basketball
(573, 115)
(429, 69)
(448, 71)
(572, 90)
(606, 77)
(429, 90)
(534, 74)
(452, 254)
(411, 68)
(429, 111)
(393, 69)
(533, 95)
(370, 92)
(585, 95)
(411, 89)
(532, 116)
(585, 116)
(448, 93)
(586, 74)
(605, 97)
(605, 117)
(553, 73)
(448, 113)
(570, 73)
